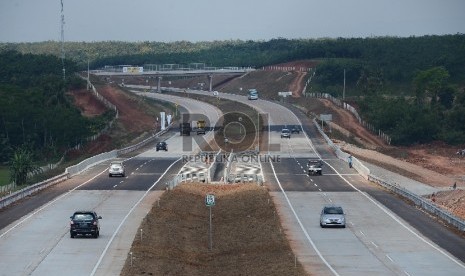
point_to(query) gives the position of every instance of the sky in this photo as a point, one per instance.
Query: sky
(209, 20)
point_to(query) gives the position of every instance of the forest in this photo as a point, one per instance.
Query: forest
(36, 115)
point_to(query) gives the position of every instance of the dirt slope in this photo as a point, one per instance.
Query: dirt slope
(435, 164)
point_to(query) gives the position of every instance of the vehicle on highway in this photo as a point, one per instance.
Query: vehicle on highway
(252, 94)
(201, 125)
(332, 216)
(162, 146)
(116, 168)
(295, 129)
(314, 166)
(185, 129)
(84, 223)
(285, 133)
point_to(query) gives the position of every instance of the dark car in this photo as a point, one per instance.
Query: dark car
(85, 223)
(295, 129)
(162, 146)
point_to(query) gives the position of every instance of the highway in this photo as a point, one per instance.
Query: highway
(384, 235)
(36, 240)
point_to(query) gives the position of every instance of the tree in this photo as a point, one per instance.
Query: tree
(21, 165)
(429, 83)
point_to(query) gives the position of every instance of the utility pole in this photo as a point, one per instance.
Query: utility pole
(88, 76)
(63, 41)
(344, 89)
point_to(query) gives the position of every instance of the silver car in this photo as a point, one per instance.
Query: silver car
(116, 168)
(332, 215)
(285, 133)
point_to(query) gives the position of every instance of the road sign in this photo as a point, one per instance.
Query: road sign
(285, 94)
(326, 117)
(210, 200)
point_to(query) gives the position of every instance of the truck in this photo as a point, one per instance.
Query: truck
(314, 166)
(201, 125)
(185, 129)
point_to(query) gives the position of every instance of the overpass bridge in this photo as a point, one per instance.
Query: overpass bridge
(161, 72)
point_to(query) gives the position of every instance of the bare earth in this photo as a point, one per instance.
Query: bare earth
(247, 233)
(434, 164)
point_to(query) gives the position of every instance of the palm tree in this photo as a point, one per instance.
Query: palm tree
(21, 165)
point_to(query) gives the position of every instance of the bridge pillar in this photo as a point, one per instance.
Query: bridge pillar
(210, 83)
(158, 84)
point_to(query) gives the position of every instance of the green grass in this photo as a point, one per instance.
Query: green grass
(4, 176)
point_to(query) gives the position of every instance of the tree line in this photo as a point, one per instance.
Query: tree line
(383, 75)
(38, 121)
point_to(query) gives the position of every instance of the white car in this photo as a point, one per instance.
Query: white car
(285, 133)
(116, 168)
(332, 215)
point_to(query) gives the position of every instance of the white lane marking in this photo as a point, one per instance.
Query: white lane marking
(390, 214)
(374, 244)
(363, 234)
(127, 215)
(440, 250)
(49, 203)
(390, 258)
(115, 186)
(301, 225)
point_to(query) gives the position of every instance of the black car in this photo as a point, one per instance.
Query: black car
(162, 146)
(84, 223)
(295, 129)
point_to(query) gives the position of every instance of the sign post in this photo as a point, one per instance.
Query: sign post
(209, 202)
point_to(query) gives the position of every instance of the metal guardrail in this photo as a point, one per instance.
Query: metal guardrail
(7, 200)
(419, 201)
(73, 170)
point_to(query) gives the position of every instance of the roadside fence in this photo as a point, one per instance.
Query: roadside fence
(350, 108)
(419, 201)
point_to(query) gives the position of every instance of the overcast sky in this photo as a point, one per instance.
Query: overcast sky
(208, 20)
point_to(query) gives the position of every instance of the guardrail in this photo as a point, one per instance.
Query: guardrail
(419, 201)
(73, 170)
(7, 200)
